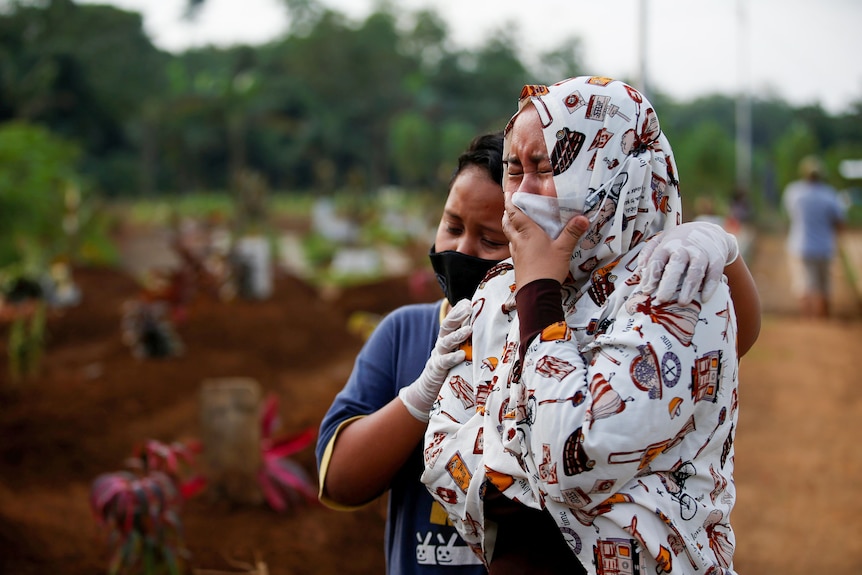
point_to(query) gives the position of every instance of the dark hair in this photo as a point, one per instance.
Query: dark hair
(486, 152)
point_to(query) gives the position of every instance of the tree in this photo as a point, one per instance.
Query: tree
(37, 169)
(412, 149)
(564, 61)
(796, 143)
(54, 71)
(705, 158)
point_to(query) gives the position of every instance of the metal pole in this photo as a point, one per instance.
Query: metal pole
(642, 52)
(743, 104)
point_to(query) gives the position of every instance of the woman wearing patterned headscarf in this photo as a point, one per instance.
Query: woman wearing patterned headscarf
(594, 424)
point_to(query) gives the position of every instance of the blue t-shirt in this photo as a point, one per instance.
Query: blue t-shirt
(419, 539)
(815, 210)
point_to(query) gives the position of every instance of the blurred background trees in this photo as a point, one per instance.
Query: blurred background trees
(332, 105)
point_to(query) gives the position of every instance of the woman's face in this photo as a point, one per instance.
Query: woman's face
(472, 218)
(527, 165)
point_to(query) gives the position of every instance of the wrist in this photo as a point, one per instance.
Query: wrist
(406, 397)
(526, 277)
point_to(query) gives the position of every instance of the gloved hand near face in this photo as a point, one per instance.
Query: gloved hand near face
(455, 329)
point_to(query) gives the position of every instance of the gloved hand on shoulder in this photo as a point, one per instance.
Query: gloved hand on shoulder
(455, 329)
(694, 253)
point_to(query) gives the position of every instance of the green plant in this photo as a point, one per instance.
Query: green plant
(27, 343)
(319, 250)
(23, 306)
(36, 170)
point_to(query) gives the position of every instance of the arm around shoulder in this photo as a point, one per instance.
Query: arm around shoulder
(746, 301)
(367, 453)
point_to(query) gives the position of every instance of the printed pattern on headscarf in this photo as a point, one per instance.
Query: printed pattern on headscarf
(604, 136)
(619, 421)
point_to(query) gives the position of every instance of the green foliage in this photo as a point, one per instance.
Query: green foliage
(781, 136)
(792, 146)
(93, 245)
(564, 61)
(319, 250)
(37, 174)
(54, 71)
(854, 215)
(705, 158)
(413, 147)
(454, 139)
(26, 344)
(334, 104)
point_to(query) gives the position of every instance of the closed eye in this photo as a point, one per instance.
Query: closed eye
(513, 167)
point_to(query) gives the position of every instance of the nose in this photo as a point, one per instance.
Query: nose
(533, 183)
(468, 244)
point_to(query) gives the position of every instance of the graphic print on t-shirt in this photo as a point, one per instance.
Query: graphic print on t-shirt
(434, 549)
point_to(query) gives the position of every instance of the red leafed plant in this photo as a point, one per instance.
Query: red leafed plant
(177, 460)
(140, 509)
(285, 484)
(141, 516)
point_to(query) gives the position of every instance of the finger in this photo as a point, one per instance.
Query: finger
(457, 317)
(575, 228)
(690, 286)
(458, 314)
(646, 252)
(509, 208)
(651, 275)
(452, 359)
(518, 221)
(515, 223)
(670, 277)
(710, 284)
(651, 260)
(449, 342)
(699, 266)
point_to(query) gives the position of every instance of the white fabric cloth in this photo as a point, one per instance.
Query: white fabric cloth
(620, 420)
(550, 213)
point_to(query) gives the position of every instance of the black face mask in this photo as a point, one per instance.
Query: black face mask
(459, 274)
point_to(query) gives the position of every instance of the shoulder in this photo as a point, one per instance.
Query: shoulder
(410, 314)
(493, 306)
(405, 323)
(498, 281)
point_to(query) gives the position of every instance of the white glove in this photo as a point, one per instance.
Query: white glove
(693, 253)
(420, 395)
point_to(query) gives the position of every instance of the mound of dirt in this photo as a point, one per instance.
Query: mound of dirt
(93, 403)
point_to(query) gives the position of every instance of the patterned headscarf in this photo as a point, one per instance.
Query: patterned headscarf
(604, 138)
(597, 422)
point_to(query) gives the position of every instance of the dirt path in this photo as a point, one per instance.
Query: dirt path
(798, 457)
(768, 263)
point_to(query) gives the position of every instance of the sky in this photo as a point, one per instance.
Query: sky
(802, 51)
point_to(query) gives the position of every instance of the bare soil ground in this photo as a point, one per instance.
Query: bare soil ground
(798, 458)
